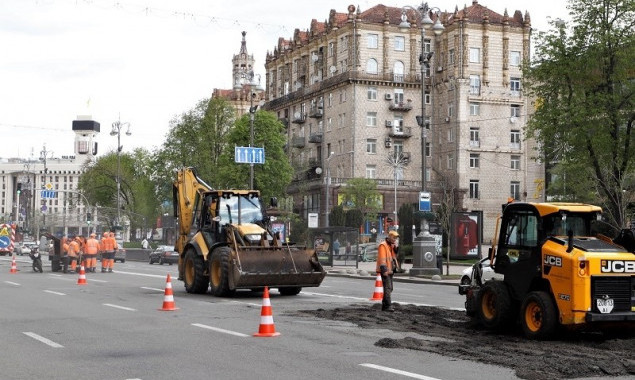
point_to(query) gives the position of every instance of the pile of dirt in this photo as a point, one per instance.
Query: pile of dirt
(452, 333)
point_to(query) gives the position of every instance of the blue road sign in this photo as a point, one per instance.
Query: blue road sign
(249, 155)
(48, 194)
(424, 201)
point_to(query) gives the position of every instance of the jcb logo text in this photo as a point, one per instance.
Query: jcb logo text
(553, 261)
(617, 266)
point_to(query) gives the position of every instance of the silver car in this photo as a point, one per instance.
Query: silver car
(487, 274)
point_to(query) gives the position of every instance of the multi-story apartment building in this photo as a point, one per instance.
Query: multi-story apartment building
(49, 197)
(349, 91)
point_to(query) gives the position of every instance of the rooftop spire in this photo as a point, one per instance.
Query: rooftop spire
(243, 44)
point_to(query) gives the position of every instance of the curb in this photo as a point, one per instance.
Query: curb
(359, 274)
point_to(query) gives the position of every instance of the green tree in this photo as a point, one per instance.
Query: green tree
(363, 195)
(137, 190)
(272, 177)
(354, 218)
(196, 139)
(583, 79)
(337, 216)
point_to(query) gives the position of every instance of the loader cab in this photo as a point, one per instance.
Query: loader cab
(518, 255)
(218, 209)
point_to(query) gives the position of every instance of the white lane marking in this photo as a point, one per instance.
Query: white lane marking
(43, 339)
(395, 301)
(145, 274)
(155, 289)
(119, 307)
(398, 371)
(247, 303)
(220, 330)
(53, 292)
(12, 283)
(95, 280)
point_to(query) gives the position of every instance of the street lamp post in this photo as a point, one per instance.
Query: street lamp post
(424, 60)
(116, 131)
(249, 79)
(328, 190)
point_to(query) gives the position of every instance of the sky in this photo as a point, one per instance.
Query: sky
(145, 62)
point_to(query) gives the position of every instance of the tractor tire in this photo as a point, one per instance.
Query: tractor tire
(219, 272)
(194, 277)
(290, 290)
(539, 316)
(494, 305)
(151, 261)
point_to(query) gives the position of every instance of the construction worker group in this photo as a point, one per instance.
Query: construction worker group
(82, 251)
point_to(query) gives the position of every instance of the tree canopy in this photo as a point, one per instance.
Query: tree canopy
(583, 80)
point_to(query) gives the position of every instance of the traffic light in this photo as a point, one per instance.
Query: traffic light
(89, 217)
(19, 188)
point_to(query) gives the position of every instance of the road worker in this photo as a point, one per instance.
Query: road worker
(115, 247)
(73, 253)
(64, 253)
(386, 265)
(91, 250)
(103, 252)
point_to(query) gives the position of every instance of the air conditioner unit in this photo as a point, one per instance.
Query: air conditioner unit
(389, 123)
(396, 131)
(447, 119)
(388, 96)
(387, 142)
(513, 119)
(439, 68)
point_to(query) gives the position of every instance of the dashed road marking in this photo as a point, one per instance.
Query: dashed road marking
(54, 292)
(12, 283)
(155, 289)
(119, 307)
(220, 330)
(43, 339)
(398, 371)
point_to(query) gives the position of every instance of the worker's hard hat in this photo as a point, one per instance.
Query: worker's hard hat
(393, 233)
(93, 235)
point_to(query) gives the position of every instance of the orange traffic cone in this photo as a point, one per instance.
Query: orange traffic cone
(168, 298)
(378, 295)
(14, 268)
(82, 276)
(267, 328)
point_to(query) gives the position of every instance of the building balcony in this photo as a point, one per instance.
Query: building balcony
(316, 113)
(400, 132)
(298, 141)
(299, 118)
(315, 138)
(401, 106)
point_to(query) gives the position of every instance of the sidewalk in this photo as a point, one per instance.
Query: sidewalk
(366, 271)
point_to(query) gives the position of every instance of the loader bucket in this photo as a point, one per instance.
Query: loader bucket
(255, 267)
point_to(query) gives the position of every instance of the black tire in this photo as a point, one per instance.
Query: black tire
(539, 316)
(194, 277)
(151, 261)
(160, 261)
(290, 290)
(466, 280)
(494, 305)
(219, 272)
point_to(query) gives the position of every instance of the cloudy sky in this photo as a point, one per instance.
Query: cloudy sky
(144, 61)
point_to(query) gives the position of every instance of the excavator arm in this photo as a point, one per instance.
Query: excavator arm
(185, 190)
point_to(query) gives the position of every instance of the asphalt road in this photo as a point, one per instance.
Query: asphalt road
(111, 328)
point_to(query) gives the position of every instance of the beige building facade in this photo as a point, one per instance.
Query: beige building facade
(349, 92)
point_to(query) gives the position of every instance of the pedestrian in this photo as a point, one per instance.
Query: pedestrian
(386, 265)
(92, 247)
(144, 243)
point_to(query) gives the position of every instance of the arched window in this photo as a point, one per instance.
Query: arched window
(371, 66)
(398, 69)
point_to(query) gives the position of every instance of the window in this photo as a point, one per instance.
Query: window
(371, 171)
(398, 95)
(427, 45)
(331, 49)
(474, 160)
(371, 66)
(329, 124)
(475, 55)
(397, 124)
(515, 139)
(514, 190)
(515, 110)
(475, 109)
(372, 93)
(451, 57)
(475, 85)
(514, 84)
(371, 119)
(398, 69)
(450, 109)
(330, 99)
(514, 58)
(428, 98)
(450, 161)
(342, 96)
(515, 162)
(474, 137)
(450, 134)
(371, 146)
(427, 149)
(474, 194)
(400, 43)
(372, 41)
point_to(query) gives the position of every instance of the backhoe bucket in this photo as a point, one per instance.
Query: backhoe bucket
(276, 266)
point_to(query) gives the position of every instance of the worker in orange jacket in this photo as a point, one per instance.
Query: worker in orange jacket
(102, 251)
(385, 267)
(73, 253)
(91, 250)
(64, 253)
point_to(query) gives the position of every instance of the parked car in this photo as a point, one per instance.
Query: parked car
(487, 274)
(120, 255)
(164, 254)
(25, 247)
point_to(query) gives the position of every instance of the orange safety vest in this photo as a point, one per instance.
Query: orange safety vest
(92, 246)
(73, 248)
(385, 255)
(107, 245)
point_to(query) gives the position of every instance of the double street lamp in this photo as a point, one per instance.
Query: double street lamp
(116, 131)
(249, 79)
(424, 59)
